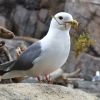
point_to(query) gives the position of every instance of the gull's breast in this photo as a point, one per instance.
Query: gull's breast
(53, 56)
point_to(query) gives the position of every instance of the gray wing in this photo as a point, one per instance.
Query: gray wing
(25, 60)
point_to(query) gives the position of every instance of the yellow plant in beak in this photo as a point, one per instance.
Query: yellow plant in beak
(73, 23)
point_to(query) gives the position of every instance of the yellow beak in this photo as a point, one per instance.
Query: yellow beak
(73, 23)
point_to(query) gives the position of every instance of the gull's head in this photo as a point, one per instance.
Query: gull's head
(63, 21)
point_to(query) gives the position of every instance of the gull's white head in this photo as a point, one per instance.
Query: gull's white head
(63, 21)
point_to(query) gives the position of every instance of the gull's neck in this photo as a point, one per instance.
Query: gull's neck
(55, 35)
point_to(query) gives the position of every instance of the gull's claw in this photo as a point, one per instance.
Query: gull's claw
(19, 51)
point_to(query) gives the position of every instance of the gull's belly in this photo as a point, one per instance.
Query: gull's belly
(52, 59)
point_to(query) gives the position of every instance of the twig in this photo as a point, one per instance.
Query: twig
(5, 33)
(70, 75)
(7, 53)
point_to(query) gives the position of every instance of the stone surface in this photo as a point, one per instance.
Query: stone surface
(45, 4)
(18, 15)
(27, 91)
(24, 21)
(30, 4)
(6, 7)
(41, 30)
(43, 14)
(1, 1)
(89, 65)
(87, 13)
(89, 87)
(92, 87)
(2, 21)
(23, 15)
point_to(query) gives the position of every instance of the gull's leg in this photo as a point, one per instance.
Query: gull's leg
(38, 78)
(44, 78)
(41, 79)
(54, 75)
(19, 51)
(48, 78)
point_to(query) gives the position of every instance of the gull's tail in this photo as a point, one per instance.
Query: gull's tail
(5, 67)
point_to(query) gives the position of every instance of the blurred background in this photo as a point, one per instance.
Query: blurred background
(32, 18)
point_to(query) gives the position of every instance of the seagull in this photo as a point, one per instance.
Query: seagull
(46, 55)
(96, 78)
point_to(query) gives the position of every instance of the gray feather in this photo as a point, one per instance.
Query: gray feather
(24, 62)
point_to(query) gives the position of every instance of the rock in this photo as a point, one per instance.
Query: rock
(43, 14)
(23, 15)
(26, 91)
(30, 26)
(89, 69)
(91, 87)
(41, 30)
(87, 13)
(1, 1)
(44, 4)
(24, 21)
(6, 7)
(18, 16)
(30, 4)
(90, 65)
(2, 21)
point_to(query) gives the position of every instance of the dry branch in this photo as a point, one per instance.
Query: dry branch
(5, 33)
(27, 39)
(7, 53)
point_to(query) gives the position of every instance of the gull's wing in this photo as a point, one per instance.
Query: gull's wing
(24, 62)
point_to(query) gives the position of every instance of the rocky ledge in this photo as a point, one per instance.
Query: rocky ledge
(35, 91)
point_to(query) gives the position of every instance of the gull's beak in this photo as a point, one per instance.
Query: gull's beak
(73, 23)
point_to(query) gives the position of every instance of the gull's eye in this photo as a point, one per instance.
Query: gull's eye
(60, 17)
